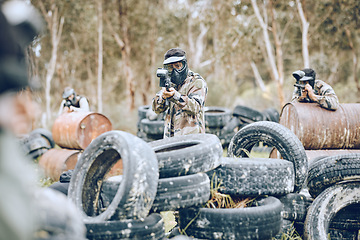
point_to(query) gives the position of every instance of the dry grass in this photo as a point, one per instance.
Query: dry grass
(221, 200)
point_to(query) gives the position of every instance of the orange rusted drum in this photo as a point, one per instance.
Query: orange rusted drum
(56, 161)
(76, 130)
(318, 128)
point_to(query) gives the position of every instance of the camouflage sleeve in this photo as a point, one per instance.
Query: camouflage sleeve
(194, 101)
(158, 103)
(328, 98)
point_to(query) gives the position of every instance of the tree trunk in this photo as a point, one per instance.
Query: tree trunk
(305, 29)
(100, 55)
(270, 54)
(126, 53)
(258, 77)
(149, 86)
(55, 27)
(355, 59)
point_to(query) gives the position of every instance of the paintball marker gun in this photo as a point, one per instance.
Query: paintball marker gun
(298, 75)
(163, 74)
(300, 87)
(67, 104)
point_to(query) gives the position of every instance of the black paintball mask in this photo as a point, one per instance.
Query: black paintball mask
(298, 75)
(67, 93)
(310, 75)
(178, 68)
(310, 80)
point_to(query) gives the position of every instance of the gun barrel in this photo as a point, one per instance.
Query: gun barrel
(299, 85)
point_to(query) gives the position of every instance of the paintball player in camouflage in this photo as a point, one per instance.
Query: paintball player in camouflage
(183, 103)
(72, 102)
(308, 89)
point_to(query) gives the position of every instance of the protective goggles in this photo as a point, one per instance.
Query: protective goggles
(171, 66)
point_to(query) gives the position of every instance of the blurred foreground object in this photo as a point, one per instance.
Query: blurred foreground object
(17, 177)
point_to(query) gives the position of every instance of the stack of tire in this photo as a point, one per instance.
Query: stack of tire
(334, 184)
(36, 143)
(267, 180)
(224, 123)
(218, 121)
(160, 176)
(176, 174)
(326, 205)
(150, 126)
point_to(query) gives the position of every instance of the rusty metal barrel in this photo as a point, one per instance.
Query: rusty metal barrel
(56, 161)
(318, 128)
(76, 130)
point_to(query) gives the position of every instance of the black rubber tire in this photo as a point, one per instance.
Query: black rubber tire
(331, 170)
(347, 218)
(295, 206)
(187, 154)
(275, 135)
(136, 192)
(271, 114)
(38, 142)
(149, 137)
(45, 134)
(38, 152)
(172, 193)
(225, 139)
(216, 116)
(248, 114)
(60, 187)
(141, 114)
(34, 145)
(56, 216)
(182, 192)
(340, 234)
(231, 126)
(155, 127)
(142, 110)
(149, 228)
(260, 222)
(154, 137)
(326, 205)
(254, 177)
(214, 130)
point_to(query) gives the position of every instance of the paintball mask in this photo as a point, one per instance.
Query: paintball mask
(298, 75)
(68, 91)
(177, 67)
(310, 76)
(308, 79)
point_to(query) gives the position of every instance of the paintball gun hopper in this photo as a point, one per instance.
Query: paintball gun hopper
(165, 80)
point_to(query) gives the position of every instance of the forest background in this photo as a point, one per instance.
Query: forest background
(246, 50)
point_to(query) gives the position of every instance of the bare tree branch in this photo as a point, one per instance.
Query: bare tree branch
(100, 55)
(305, 28)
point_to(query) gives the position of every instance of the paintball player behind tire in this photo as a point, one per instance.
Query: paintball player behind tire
(308, 89)
(72, 102)
(182, 96)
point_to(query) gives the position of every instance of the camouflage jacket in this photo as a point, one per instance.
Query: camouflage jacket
(327, 96)
(184, 112)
